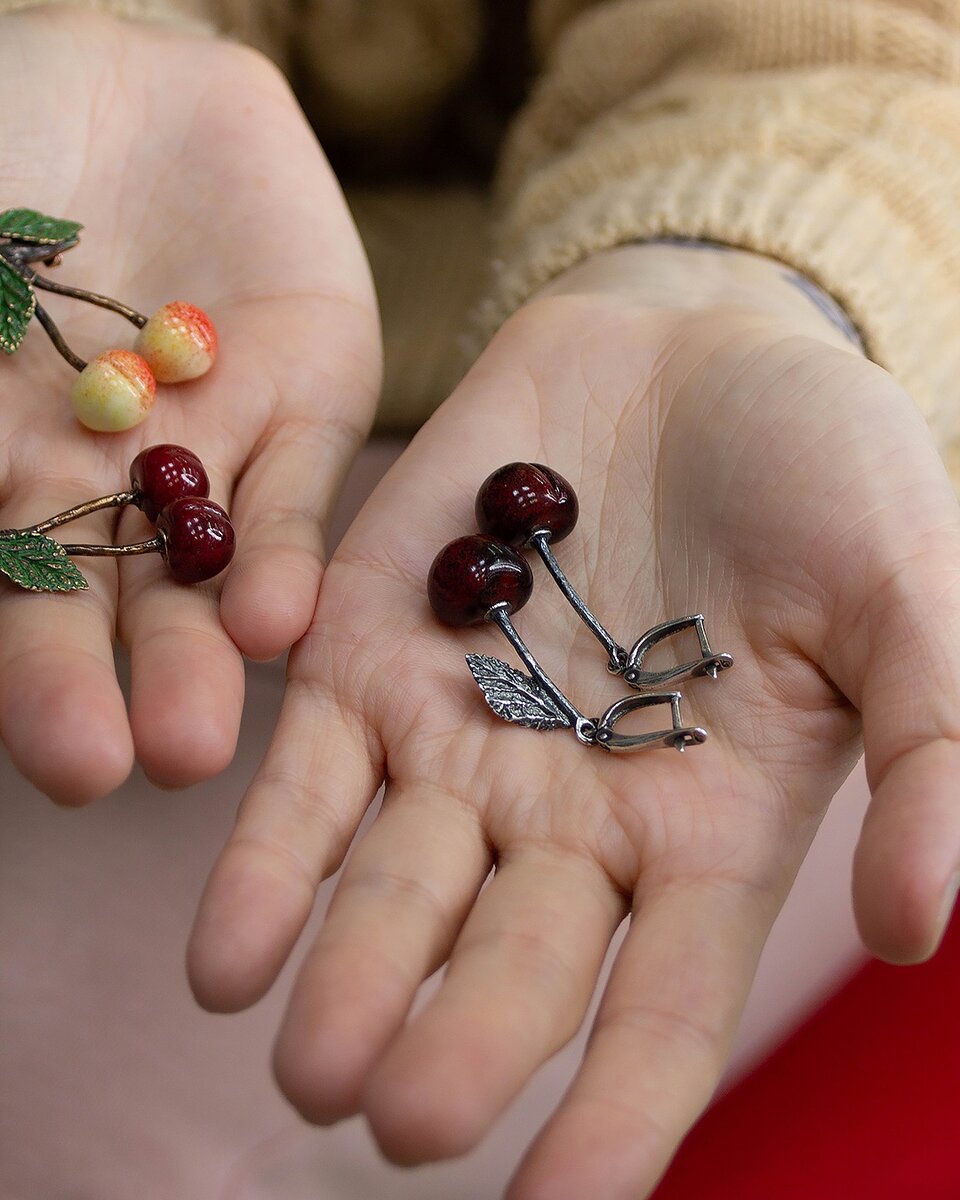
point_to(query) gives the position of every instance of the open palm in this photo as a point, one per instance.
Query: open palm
(197, 178)
(725, 463)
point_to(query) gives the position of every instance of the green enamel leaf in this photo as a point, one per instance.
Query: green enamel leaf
(28, 225)
(37, 563)
(17, 303)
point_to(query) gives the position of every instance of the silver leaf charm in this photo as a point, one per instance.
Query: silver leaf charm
(514, 696)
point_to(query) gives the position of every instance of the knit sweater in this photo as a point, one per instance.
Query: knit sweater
(825, 133)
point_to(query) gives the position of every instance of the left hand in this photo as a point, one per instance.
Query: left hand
(733, 456)
(197, 178)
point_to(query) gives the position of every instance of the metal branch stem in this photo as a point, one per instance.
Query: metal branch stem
(152, 546)
(82, 510)
(501, 618)
(62, 289)
(55, 336)
(19, 255)
(618, 655)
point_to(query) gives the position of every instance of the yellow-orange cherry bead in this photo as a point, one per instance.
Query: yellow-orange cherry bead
(114, 392)
(179, 342)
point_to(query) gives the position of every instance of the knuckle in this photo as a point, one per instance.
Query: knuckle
(668, 1026)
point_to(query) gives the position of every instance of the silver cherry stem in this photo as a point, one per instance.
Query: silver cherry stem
(540, 541)
(584, 728)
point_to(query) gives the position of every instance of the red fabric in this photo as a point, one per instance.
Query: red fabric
(861, 1103)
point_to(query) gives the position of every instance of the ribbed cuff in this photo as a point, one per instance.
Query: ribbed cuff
(848, 241)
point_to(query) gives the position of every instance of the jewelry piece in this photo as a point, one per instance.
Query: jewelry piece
(116, 390)
(170, 486)
(478, 578)
(528, 505)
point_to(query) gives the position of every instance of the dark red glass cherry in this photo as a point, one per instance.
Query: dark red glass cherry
(472, 574)
(196, 539)
(522, 499)
(161, 474)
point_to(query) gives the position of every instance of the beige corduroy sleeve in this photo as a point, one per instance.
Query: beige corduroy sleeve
(825, 133)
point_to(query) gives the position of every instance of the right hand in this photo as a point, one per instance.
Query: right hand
(733, 455)
(196, 177)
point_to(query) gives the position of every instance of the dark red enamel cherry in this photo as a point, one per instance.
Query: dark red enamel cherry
(161, 474)
(521, 499)
(472, 574)
(196, 539)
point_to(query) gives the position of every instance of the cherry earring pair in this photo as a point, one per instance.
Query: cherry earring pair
(483, 577)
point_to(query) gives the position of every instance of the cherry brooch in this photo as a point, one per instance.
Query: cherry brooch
(528, 505)
(169, 485)
(115, 390)
(483, 577)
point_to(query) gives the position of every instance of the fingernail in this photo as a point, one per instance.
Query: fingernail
(949, 900)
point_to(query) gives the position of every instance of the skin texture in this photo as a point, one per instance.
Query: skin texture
(733, 454)
(178, 153)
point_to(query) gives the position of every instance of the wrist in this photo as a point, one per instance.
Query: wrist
(691, 276)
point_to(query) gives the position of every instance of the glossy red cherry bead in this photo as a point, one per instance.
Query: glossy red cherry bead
(522, 499)
(196, 539)
(469, 576)
(164, 473)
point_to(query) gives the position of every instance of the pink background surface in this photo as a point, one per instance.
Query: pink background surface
(114, 1085)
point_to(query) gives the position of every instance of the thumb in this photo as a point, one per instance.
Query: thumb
(896, 655)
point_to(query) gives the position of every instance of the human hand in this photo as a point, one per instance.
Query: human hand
(196, 177)
(735, 456)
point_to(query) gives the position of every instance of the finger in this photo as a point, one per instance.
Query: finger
(901, 664)
(62, 714)
(403, 897)
(186, 675)
(295, 823)
(518, 984)
(658, 1046)
(271, 592)
(287, 490)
